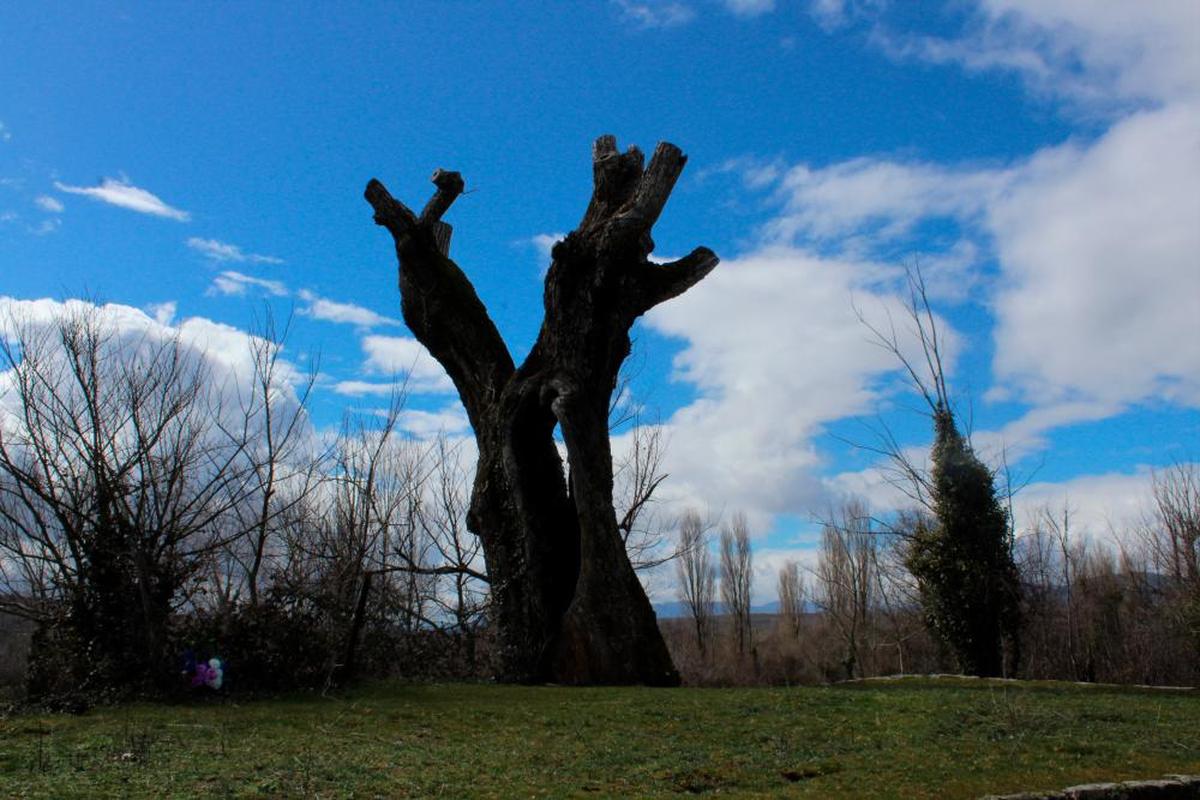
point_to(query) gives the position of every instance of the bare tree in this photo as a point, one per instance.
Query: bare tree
(568, 605)
(443, 520)
(113, 486)
(272, 419)
(636, 477)
(896, 594)
(1175, 522)
(697, 576)
(1172, 534)
(736, 577)
(791, 597)
(846, 580)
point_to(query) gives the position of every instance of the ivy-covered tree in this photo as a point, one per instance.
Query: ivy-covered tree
(960, 549)
(963, 563)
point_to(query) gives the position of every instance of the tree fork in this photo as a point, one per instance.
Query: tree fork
(568, 605)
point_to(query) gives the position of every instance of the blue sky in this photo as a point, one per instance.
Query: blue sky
(1039, 159)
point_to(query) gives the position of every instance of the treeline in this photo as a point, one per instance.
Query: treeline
(1089, 611)
(161, 505)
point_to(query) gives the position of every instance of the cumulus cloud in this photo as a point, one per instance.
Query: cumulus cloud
(48, 204)
(223, 251)
(1080, 252)
(232, 283)
(450, 420)
(226, 352)
(1108, 506)
(880, 198)
(1094, 243)
(1103, 57)
(775, 351)
(121, 193)
(347, 313)
(1098, 246)
(163, 313)
(402, 356)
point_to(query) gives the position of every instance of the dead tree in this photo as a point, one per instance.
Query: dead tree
(568, 605)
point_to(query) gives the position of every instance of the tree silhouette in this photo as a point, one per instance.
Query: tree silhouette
(568, 605)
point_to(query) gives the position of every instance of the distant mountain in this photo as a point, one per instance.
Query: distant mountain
(675, 609)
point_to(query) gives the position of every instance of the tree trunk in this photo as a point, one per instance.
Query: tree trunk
(568, 605)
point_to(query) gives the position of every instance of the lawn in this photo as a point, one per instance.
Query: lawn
(909, 738)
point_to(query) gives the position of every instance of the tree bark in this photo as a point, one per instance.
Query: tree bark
(568, 605)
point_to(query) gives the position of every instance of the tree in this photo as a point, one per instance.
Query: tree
(791, 597)
(1175, 523)
(637, 475)
(736, 575)
(283, 468)
(697, 576)
(963, 563)
(443, 518)
(114, 483)
(1173, 536)
(846, 579)
(568, 605)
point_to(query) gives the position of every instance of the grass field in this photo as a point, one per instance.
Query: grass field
(909, 738)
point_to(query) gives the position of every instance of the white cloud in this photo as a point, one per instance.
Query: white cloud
(225, 351)
(750, 8)
(234, 283)
(48, 204)
(1098, 247)
(656, 13)
(764, 584)
(402, 356)
(1094, 243)
(223, 251)
(5, 134)
(450, 420)
(884, 199)
(164, 313)
(544, 243)
(775, 351)
(1027, 434)
(1099, 55)
(1107, 507)
(356, 388)
(1089, 247)
(347, 313)
(119, 192)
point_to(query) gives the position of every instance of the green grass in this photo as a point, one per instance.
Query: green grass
(910, 738)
